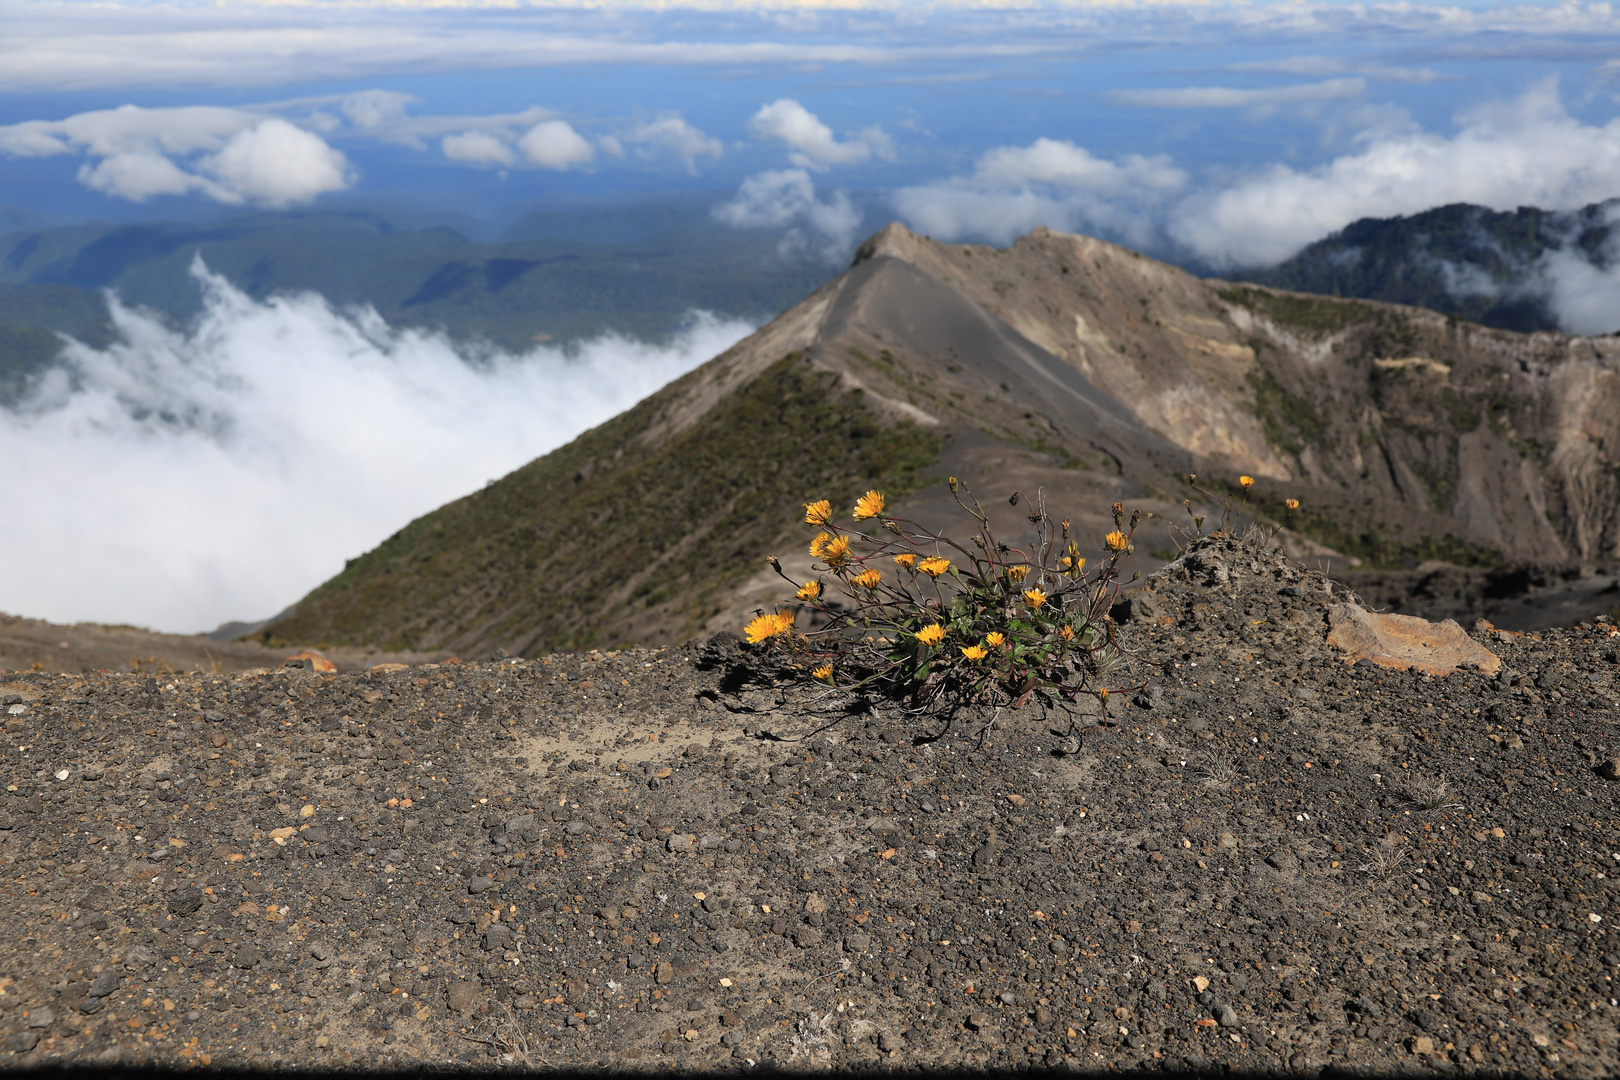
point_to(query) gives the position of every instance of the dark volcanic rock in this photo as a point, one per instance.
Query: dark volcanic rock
(1286, 864)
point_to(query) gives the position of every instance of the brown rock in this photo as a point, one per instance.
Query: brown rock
(664, 972)
(1403, 641)
(312, 660)
(461, 995)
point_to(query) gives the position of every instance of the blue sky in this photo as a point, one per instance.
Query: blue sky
(1227, 133)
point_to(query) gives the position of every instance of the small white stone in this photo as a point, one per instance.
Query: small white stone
(61, 774)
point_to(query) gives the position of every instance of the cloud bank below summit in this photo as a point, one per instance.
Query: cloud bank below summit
(221, 471)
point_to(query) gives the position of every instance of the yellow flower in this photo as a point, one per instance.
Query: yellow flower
(818, 546)
(818, 513)
(810, 590)
(1073, 563)
(931, 635)
(995, 639)
(1017, 574)
(764, 627)
(1292, 504)
(975, 652)
(1034, 598)
(824, 672)
(1117, 541)
(836, 553)
(1066, 633)
(1246, 482)
(906, 560)
(867, 579)
(934, 566)
(869, 505)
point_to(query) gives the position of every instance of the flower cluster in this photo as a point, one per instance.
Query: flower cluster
(764, 627)
(895, 606)
(1230, 513)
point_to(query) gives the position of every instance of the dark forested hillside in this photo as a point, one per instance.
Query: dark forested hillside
(1468, 261)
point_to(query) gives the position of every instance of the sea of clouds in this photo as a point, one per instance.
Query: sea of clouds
(182, 478)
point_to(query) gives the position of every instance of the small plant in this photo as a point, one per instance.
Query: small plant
(1427, 792)
(897, 608)
(1386, 856)
(1217, 771)
(507, 1038)
(1231, 514)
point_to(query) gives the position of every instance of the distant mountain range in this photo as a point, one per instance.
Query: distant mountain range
(1061, 366)
(639, 266)
(559, 275)
(1524, 269)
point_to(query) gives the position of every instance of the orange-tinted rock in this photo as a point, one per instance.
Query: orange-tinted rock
(313, 660)
(1404, 641)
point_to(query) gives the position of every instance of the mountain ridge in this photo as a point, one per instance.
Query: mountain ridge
(1407, 436)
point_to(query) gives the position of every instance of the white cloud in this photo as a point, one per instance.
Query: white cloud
(165, 466)
(554, 144)
(278, 154)
(787, 199)
(276, 164)
(138, 176)
(378, 109)
(672, 135)
(812, 142)
(1529, 152)
(1323, 66)
(1050, 182)
(1582, 295)
(47, 45)
(477, 148)
(127, 129)
(1228, 97)
(233, 156)
(50, 45)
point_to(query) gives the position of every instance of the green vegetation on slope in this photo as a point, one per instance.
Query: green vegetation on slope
(605, 541)
(1290, 423)
(1324, 316)
(1356, 531)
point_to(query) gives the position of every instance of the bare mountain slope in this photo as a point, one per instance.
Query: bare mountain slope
(1061, 363)
(1515, 438)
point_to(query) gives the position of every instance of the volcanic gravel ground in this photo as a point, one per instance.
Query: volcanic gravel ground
(656, 860)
